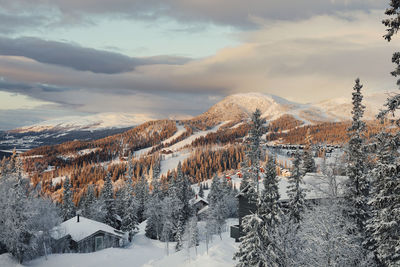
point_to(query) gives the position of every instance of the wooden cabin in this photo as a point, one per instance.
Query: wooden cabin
(82, 235)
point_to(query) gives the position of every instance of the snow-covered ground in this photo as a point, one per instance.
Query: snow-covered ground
(190, 139)
(143, 252)
(170, 161)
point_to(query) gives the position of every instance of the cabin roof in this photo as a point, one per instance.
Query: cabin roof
(197, 199)
(82, 229)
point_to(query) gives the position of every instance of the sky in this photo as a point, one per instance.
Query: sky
(176, 58)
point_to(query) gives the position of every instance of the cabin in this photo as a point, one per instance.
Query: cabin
(199, 206)
(83, 235)
(316, 186)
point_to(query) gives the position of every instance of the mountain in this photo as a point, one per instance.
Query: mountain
(238, 107)
(99, 121)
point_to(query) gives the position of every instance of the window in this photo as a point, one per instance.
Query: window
(98, 243)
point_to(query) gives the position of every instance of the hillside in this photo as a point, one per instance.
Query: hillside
(206, 144)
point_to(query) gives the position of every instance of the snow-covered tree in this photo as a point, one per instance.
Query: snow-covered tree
(215, 194)
(358, 187)
(326, 240)
(184, 193)
(384, 225)
(68, 206)
(252, 249)
(154, 212)
(269, 210)
(179, 236)
(308, 154)
(128, 213)
(141, 191)
(88, 203)
(268, 203)
(192, 236)
(253, 149)
(25, 220)
(295, 193)
(393, 24)
(107, 195)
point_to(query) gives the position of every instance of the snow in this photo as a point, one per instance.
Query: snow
(179, 132)
(144, 252)
(142, 152)
(82, 229)
(90, 122)
(57, 180)
(178, 146)
(170, 161)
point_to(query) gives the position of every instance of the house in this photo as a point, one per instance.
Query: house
(83, 235)
(198, 204)
(316, 186)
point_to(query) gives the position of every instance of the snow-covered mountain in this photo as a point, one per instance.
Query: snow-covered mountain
(240, 106)
(99, 121)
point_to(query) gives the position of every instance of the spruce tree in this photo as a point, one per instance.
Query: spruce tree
(308, 159)
(393, 24)
(128, 214)
(67, 207)
(141, 191)
(252, 248)
(184, 193)
(154, 212)
(107, 196)
(295, 193)
(358, 187)
(268, 204)
(88, 203)
(253, 148)
(385, 203)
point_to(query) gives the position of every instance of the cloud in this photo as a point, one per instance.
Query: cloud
(305, 61)
(238, 13)
(77, 57)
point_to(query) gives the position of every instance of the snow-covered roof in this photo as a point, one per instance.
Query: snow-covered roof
(196, 200)
(316, 186)
(203, 210)
(82, 229)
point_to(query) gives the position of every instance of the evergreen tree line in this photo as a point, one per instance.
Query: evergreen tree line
(353, 224)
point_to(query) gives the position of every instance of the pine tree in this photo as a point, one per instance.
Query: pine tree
(392, 23)
(295, 192)
(253, 149)
(252, 248)
(68, 207)
(154, 212)
(268, 204)
(184, 193)
(308, 159)
(269, 210)
(179, 234)
(128, 214)
(141, 191)
(385, 203)
(215, 194)
(88, 202)
(107, 195)
(357, 189)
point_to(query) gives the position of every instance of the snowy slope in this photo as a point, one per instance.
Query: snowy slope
(240, 106)
(143, 252)
(91, 122)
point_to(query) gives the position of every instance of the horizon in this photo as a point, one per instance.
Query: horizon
(175, 60)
